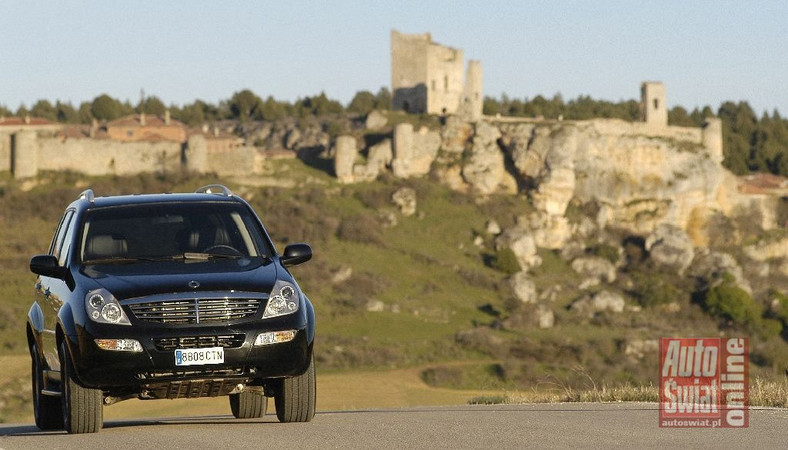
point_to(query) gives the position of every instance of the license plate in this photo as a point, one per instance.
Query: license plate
(199, 356)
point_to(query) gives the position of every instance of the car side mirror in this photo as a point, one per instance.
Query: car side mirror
(47, 266)
(296, 254)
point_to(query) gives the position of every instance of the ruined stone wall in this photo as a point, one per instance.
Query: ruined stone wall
(104, 157)
(409, 71)
(444, 71)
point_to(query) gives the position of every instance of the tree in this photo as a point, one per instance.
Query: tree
(5, 111)
(244, 104)
(84, 114)
(383, 99)
(66, 113)
(45, 110)
(362, 103)
(105, 107)
(152, 105)
(275, 110)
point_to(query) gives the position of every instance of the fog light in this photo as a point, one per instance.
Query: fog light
(274, 337)
(119, 345)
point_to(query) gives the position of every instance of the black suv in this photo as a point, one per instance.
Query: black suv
(168, 296)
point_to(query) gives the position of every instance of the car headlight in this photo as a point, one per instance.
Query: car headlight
(283, 300)
(102, 307)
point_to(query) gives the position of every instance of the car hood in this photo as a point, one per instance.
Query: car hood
(139, 280)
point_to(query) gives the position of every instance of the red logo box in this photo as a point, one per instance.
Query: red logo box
(704, 382)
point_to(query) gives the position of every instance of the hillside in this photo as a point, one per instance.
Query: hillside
(408, 272)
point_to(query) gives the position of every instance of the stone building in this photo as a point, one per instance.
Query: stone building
(427, 77)
(146, 127)
(654, 109)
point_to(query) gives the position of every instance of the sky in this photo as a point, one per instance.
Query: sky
(706, 52)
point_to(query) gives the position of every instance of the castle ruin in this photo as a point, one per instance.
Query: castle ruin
(427, 77)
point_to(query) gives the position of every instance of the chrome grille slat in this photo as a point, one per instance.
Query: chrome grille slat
(198, 310)
(226, 341)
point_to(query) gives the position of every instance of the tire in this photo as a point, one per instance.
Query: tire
(248, 404)
(295, 397)
(82, 407)
(47, 410)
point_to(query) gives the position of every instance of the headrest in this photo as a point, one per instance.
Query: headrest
(105, 246)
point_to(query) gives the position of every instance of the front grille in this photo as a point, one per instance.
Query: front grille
(197, 310)
(226, 341)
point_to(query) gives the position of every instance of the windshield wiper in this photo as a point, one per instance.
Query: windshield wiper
(207, 256)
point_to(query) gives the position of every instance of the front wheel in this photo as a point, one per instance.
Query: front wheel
(295, 397)
(248, 404)
(82, 407)
(46, 409)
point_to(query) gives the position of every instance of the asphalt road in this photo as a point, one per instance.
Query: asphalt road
(631, 425)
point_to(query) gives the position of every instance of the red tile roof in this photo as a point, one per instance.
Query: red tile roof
(17, 121)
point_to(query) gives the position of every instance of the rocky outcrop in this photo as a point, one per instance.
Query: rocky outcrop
(375, 120)
(522, 244)
(405, 200)
(523, 287)
(601, 301)
(709, 268)
(670, 246)
(595, 270)
(414, 152)
(485, 171)
(345, 154)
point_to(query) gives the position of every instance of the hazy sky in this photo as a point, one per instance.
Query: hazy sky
(705, 52)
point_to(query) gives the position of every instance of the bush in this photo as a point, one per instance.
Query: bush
(606, 251)
(651, 289)
(730, 302)
(506, 261)
(363, 228)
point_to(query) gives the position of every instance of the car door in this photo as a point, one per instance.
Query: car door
(52, 292)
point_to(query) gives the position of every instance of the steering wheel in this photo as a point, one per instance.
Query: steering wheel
(232, 250)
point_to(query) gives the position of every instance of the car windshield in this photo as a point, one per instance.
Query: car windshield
(170, 231)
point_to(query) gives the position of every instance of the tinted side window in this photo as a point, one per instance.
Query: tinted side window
(67, 240)
(57, 242)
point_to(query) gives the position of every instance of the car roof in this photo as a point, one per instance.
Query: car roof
(141, 199)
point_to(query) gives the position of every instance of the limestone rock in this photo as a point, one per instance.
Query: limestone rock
(346, 152)
(523, 287)
(595, 269)
(414, 152)
(640, 348)
(493, 227)
(710, 266)
(485, 169)
(405, 199)
(601, 301)
(522, 245)
(375, 120)
(376, 306)
(545, 317)
(670, 246)
(380, 154)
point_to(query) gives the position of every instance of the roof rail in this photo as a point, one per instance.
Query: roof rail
(88, 195)
(215, 189)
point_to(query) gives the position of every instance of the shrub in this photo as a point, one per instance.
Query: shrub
(606, 251)
(728, 301)
(363, 228)
(506, 261)
(651, 289)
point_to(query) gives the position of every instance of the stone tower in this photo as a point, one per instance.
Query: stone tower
(425, 77)
(472, 100)
(654, 109)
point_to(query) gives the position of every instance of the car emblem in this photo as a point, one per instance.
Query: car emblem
(194, 284)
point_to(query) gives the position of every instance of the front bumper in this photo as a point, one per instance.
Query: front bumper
(154, 368)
